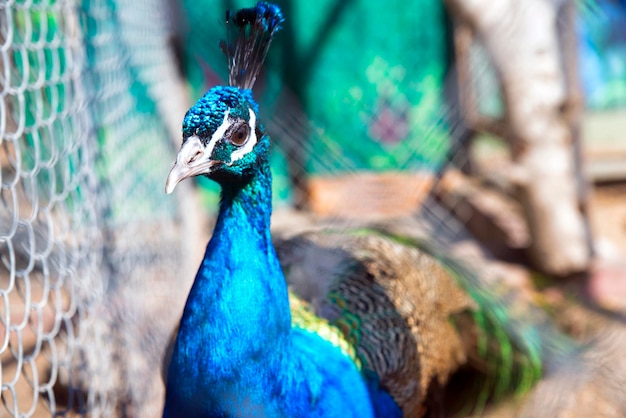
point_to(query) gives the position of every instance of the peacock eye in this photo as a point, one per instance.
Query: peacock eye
(239, 135)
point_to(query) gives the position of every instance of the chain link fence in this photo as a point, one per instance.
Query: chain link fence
(50, 239)
(87, 240)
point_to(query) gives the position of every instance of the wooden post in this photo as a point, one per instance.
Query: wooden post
(522, 41)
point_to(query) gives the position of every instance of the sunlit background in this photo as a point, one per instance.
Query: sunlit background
(494, 129)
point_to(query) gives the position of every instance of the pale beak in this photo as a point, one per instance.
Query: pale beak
(193, 159)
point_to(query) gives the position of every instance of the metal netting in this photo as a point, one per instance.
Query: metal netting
(89, 96)
(50, 237)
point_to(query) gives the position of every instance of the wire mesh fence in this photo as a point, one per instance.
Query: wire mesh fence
(84, 151)
(51, 240)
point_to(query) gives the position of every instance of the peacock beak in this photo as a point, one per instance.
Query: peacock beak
(193, 159)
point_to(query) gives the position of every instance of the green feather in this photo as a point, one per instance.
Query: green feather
(303, 317)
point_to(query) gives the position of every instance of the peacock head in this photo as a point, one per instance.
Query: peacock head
(222, 138)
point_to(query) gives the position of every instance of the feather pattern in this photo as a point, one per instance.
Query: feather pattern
(249, 34)
(388, 299)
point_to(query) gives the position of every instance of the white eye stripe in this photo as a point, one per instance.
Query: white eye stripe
(249, 145)
(218, 134)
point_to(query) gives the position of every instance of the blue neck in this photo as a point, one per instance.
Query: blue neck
(236, 353)
(236, 323)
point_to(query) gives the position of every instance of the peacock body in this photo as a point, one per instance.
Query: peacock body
(352, 342)
(236, 352)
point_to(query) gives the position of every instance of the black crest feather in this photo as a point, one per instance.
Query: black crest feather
(249, 33)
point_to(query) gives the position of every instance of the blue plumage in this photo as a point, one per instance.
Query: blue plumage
(236, 352)
(207, 115)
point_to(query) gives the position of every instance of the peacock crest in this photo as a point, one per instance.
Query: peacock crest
(249, 33)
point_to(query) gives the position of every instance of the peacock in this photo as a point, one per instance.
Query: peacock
(348, 342)
(236, 352)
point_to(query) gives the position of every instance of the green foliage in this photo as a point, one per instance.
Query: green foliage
(602, 50)
(368, 75)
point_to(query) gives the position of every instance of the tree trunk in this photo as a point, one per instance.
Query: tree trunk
(522, 41)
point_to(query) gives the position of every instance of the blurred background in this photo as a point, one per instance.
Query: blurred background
(494, 129)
